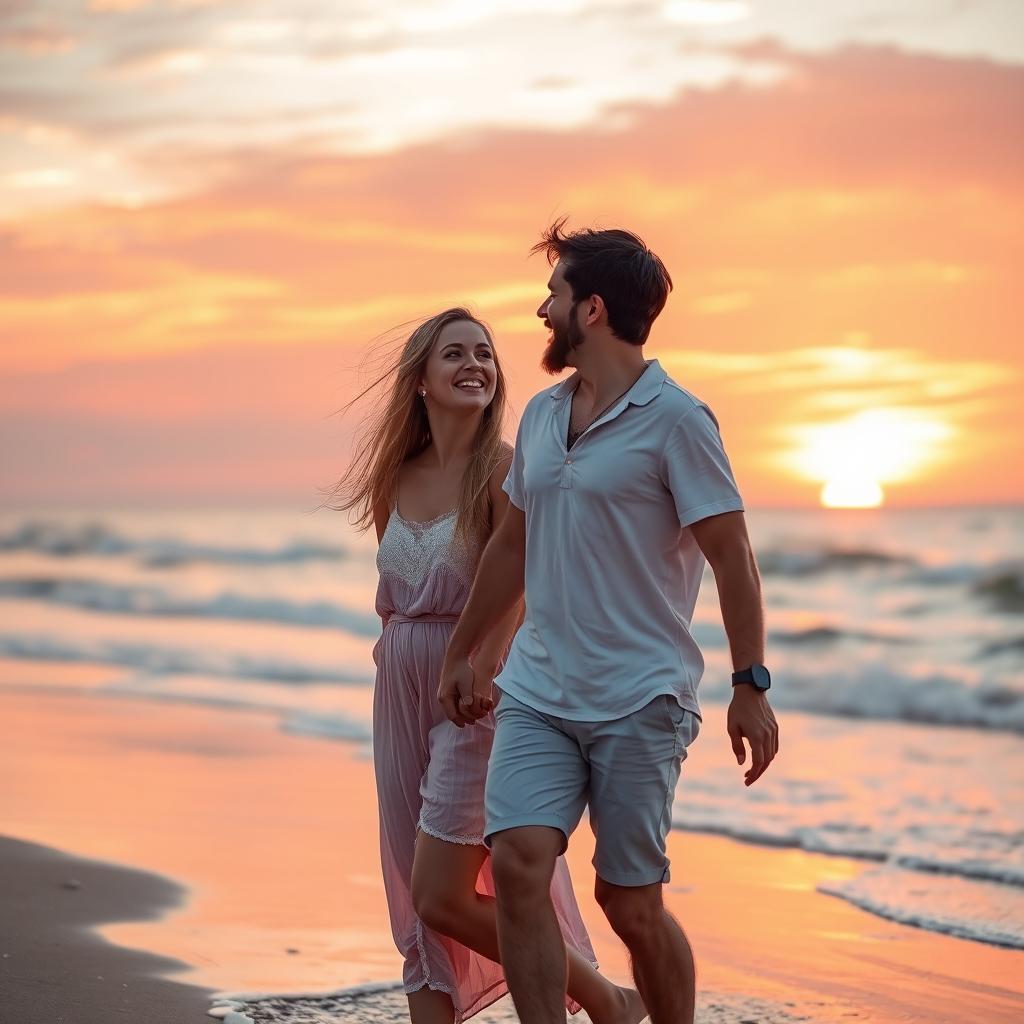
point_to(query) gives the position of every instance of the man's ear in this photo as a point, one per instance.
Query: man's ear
(595, 309)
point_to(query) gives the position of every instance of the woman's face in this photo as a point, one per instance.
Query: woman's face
(460, 373)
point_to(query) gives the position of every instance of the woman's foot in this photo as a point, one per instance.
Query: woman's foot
(635, 1011)
(624, 1007)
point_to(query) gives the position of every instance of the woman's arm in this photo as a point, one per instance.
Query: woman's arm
(381, 515)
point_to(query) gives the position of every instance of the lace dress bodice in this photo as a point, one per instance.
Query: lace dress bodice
(424, 568)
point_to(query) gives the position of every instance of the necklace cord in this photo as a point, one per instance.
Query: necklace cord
(575, 435)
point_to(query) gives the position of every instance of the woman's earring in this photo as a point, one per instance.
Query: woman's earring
(423, 392)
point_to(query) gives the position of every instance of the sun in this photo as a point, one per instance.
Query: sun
(849, 492)
(854, 457)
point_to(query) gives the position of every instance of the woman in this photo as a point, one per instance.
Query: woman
(427, 474)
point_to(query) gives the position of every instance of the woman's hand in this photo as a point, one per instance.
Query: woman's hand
(482, 703)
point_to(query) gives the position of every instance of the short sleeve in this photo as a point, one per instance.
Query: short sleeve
(696, 469)
(513, 485)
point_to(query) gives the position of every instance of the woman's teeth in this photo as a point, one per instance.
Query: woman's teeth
(470, 385)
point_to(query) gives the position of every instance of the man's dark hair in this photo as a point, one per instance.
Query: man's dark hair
(616, 265)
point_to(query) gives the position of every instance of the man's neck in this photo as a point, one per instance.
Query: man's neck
(608, 371)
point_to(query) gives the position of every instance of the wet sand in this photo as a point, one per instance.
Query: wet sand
(274, 838)
(56, 970)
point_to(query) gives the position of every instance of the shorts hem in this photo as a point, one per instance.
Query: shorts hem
(434, 986)
(525, 821)
(633, 879)
(451, 837)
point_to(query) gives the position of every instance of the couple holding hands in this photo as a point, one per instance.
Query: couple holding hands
(584, 546)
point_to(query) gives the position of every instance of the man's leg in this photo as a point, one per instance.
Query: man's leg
(532, 948)
(634, 767)
(660, 954)
(444, 894)
(534, 798)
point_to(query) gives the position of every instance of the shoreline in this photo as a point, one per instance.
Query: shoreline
(274, 837)
(51, 902)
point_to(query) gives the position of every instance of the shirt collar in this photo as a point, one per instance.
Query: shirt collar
(647, 387)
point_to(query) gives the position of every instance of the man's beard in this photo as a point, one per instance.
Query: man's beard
(563, 341)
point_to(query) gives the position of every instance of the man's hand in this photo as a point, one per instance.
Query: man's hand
(463, 700)
(751, 718)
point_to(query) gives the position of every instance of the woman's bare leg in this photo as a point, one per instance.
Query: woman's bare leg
(444, 894)
(429, 1007)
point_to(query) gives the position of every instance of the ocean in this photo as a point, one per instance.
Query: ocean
(896, 642)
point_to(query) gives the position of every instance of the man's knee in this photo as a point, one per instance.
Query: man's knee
(633, 912)
(523, 861)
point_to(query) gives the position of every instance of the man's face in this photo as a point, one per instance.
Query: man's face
(558, 311)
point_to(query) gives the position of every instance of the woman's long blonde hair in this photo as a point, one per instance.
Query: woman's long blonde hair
(399, 430)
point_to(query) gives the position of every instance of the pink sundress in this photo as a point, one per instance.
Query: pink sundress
(431, 774)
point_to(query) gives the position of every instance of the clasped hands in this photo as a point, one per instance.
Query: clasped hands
(465, 692)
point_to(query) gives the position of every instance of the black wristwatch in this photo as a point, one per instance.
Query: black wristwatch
(756, 676)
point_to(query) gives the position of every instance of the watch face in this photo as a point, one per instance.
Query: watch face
(761, 676)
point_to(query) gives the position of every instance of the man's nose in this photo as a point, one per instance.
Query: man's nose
(542, 309)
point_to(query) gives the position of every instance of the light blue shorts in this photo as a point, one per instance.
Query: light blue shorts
(544, 770)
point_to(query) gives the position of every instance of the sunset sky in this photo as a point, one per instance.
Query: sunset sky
(209, 211)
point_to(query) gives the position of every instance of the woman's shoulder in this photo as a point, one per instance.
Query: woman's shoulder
(502, 464)
(503, 460)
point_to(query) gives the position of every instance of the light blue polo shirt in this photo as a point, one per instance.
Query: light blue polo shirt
(612, 572)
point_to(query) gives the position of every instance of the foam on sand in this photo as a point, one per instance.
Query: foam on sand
(384, 1002)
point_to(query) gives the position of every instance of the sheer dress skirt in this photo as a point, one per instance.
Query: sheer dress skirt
(430, 777)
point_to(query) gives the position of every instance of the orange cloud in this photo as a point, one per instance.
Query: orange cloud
(869, 202)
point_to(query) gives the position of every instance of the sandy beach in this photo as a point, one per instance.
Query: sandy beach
(272, 272)
(55, 968)
(244, 860)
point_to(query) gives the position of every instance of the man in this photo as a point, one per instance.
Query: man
(620, 489)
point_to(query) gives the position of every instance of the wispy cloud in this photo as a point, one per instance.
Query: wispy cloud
(160, 84)
(845, 378)
(833, 249)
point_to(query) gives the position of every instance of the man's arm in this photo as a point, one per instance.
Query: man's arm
(496, 590)
(726, 546)
(486, 657)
